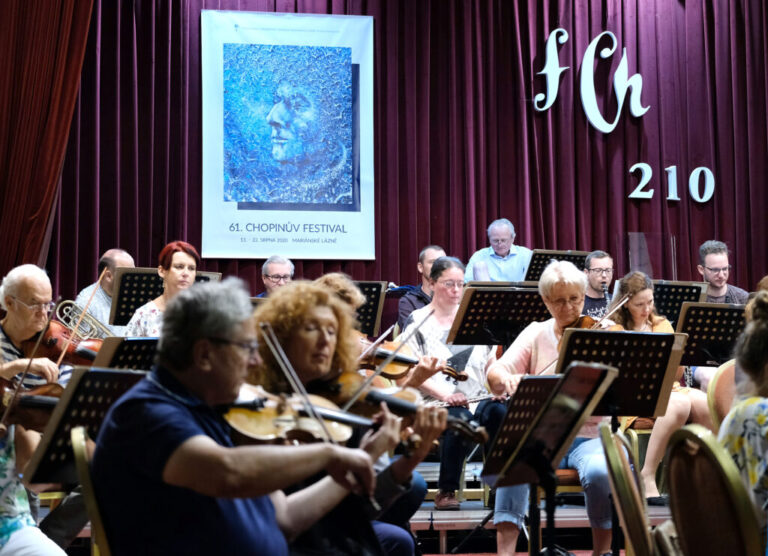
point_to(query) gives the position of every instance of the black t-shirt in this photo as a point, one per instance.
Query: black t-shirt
(595, 307)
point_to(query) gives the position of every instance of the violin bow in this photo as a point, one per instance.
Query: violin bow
(367, 382)
(373, 345)
(71, 336)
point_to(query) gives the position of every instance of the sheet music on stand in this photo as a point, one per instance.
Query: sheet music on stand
(542, 257)
(127, 353)
(647, 363)
(135, 287)
(712, 329)
(543, 417)
(669, 296)
(369, 314)
(493, 316)
(85, 401)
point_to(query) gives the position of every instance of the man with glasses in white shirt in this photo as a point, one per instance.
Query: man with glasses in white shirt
(502, 261)
(714, 268)
(598, 266)
(276, 272)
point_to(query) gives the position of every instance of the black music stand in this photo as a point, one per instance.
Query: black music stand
(542, 257)
(135, 287)
(369, 314)
(668, 296)
(536, 434)
(127, 353)
(712, 329)
(493, 316)
(647, 364)
(85, 401)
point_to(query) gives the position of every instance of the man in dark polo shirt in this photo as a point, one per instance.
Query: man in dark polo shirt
(422, 294)
(167, 477)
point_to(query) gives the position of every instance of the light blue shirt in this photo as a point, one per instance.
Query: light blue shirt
(100, 307)
(511, 268)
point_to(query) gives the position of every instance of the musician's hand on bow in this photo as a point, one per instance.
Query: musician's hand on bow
(456, 399)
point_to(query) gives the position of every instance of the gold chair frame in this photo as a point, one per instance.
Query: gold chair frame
(99, 545)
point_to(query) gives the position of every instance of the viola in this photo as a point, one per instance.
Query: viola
(58, 345)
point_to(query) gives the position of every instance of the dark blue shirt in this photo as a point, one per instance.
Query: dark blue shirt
(143, 514)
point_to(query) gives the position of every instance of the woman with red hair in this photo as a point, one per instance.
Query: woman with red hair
(177, 266)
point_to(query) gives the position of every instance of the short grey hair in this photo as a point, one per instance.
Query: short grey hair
(276, 259)
(711, 247)
(501, 222)
(561, 272)
(12, 280)
(204, 310)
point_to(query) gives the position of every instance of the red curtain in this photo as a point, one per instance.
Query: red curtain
(41, 54)
(457, 141)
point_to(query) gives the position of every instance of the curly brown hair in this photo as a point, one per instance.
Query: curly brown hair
(344, 287)
(285, 310)
(632, 284)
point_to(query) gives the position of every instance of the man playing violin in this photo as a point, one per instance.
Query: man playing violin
(166, 474)
(25, 295)
(314, 326)
(26, 298)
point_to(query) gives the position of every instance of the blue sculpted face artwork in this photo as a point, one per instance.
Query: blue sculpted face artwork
(290, 135)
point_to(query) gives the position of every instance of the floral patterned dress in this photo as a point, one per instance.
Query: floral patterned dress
(744, 433)
(14, 505)
(147, 321)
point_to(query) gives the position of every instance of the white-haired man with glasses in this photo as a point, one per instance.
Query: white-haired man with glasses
(715, 269)
(598, 266)
(503, 261)
(276, 272)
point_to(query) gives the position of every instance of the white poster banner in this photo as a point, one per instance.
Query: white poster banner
(287, 135)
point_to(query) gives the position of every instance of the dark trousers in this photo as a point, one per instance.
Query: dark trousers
(455, 448)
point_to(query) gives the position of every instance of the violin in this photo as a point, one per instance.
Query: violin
(273, 419)
(58, 345)
(29, 408)
(346, 388)
(375, 353)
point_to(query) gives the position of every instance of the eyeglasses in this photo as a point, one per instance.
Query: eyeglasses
(44, 307)
(605, 271)
(278, 277)
(572, 301)
(450, 284)
(501, 240)
(725, 269)
(252, 347)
